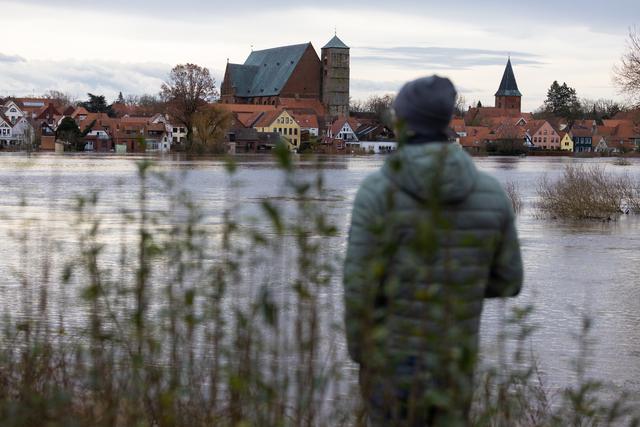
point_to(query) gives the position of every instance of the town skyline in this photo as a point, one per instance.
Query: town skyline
(137, 52)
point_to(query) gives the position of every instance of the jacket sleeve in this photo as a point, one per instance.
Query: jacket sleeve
(506, 275)
(357, 276)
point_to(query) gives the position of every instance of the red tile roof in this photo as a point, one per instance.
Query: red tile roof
(246, 108)
(477, 135)
(337, 125)
(303, 105)
(307, 121)
(79, 111)
(267, 118)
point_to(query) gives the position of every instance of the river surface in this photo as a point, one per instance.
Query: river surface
(572, 270)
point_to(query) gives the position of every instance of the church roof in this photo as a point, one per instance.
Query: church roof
(265, 72)
(508, 85)
(335, 43)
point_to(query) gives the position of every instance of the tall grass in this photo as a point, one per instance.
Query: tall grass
(168, 320)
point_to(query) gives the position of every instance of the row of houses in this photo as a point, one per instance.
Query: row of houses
(258, 127)
(618, 135)
(25, 120)
(253, 127)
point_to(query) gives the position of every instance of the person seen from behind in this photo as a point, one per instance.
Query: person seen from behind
(431, 236)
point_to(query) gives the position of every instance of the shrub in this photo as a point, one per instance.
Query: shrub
(586, 193)
(513, 191)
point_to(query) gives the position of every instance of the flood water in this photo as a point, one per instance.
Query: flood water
(571, 269)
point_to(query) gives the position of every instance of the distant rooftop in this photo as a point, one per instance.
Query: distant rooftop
(508, 85)
(265, 72)
(335, 43)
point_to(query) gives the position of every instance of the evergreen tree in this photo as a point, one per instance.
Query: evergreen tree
(97, 104)
(562, 100)
(120, 99)
(69, 132)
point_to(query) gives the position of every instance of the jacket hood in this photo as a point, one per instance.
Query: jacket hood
(434, 170)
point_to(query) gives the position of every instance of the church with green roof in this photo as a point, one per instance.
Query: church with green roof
(292, 72)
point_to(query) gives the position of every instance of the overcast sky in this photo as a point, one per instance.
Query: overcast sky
(104, 47)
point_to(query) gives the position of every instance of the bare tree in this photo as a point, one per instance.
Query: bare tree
(209, 127)
(627, 72)
(188, 89)
(600, 109)
(380, 105)
(356, 106)
(461, 105)
(59, 98)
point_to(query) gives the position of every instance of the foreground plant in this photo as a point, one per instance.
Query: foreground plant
(163, 318)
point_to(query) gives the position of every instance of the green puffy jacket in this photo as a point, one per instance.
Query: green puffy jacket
(430, 238)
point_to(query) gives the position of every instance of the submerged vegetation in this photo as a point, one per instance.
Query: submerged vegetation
(165, 319)
(588, 193)
(513, 191)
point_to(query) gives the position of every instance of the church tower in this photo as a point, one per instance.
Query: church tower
(508, 97)
(335, 77)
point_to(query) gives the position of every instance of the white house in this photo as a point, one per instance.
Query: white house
(177, 133)
(343, 133)
(12, 112)
(5, 130)
(12, 134)
(164, 144)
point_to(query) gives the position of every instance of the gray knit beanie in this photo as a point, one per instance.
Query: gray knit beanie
(426, 104)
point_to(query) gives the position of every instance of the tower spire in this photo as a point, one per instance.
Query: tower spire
(508, 85)
(508, 96)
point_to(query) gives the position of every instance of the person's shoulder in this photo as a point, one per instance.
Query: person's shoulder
(373, 181)
(488, 183)
(371, 188)
(491, 191)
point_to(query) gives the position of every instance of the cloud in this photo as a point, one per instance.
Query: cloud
(11, 58)
(614, 16)
(440, 58)
(375, 86)
(21, 77)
